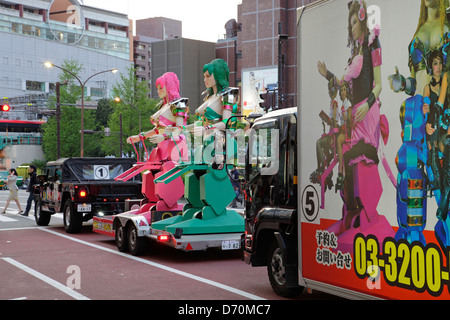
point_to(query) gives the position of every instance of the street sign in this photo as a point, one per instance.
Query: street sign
(87, 104)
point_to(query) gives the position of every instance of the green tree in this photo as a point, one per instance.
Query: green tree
(104, 110)
(134, 101)
(70, 120)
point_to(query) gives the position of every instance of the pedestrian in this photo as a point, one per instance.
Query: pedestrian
(236, 186)
(30, 189)
(13, 190)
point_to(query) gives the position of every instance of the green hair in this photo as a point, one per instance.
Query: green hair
(218, 68)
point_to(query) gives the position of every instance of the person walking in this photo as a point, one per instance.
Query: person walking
(236, 186)
(30, 189)
(13, 190)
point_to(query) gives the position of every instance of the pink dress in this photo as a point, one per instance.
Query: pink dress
(359, 74)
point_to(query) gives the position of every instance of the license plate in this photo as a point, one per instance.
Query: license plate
(102, 226)
(84, 208)
(231, 244)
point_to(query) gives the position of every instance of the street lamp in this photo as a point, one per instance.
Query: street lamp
(82, 84)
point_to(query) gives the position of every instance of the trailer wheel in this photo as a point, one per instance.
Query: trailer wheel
(42, 218)
(277, 273)
(121, 238)
(72, 220)
(136, 244)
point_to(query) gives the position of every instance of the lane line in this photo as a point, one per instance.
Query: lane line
(161, 266)
(50, 281)
(23, 228)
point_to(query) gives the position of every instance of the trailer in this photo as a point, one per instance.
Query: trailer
(132, 231)
(132, 228)
(358, 204)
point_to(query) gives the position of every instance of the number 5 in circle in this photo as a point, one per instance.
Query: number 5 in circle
(310, 203)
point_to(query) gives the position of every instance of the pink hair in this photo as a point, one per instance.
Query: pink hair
(169, 80)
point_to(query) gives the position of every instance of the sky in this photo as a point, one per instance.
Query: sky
(202, 19)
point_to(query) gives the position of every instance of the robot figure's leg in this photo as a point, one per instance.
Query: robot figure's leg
(411, 185)
(443, 225)
(442, 212)
(411, 200)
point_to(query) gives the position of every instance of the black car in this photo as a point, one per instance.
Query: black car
(82, 188)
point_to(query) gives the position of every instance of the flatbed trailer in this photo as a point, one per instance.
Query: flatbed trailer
(200, 242)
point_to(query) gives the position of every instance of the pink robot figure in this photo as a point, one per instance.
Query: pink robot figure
(171, 149)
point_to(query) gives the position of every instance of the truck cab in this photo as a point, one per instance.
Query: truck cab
(270, 237)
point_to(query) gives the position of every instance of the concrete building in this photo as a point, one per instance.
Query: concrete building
(261, 50)
(32, 32)
(186, 58)
(159, 28)
(159, 47)
(148, 31)
(35, 31)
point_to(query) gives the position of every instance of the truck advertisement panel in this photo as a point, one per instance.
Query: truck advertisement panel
(374, 156)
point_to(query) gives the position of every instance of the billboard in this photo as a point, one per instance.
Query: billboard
(254, 83)
(374, 177)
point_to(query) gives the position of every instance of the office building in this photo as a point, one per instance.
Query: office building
(32, 32)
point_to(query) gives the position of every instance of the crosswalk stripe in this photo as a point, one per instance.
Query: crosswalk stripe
(6, 219)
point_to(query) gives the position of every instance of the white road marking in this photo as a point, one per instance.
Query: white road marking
(161, 266)
(53, 283)
(4, 218)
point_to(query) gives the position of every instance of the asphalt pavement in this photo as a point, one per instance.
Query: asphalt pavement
(46, 263)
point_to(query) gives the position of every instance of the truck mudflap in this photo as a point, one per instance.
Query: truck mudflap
(200, 242)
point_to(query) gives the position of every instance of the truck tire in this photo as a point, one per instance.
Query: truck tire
(73, 222)
(277, 273)
(121, 237)
(42, 218)
(136, 244)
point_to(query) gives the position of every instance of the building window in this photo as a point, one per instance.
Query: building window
(97, 92)
(35, 86)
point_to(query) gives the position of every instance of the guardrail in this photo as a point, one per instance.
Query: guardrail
(10, 141)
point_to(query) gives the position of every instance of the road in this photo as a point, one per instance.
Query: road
(46, 263)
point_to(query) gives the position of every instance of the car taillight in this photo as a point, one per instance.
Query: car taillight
(82, 192)
(163, 238)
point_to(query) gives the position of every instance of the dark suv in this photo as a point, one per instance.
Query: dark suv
(82, 188)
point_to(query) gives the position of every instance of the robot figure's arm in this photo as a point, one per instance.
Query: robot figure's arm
(399, 83)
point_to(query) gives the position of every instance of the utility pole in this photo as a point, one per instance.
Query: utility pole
(282, 40)
(121, 132)
(58, 120)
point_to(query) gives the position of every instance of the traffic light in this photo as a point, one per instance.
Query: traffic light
(6, 107)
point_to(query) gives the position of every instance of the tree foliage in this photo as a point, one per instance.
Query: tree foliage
(70, 120)
(134, 102)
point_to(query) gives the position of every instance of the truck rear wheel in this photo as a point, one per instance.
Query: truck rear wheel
(121, 238)
(42, 218)
(73, 222)
(136, 244)
(276, 270)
